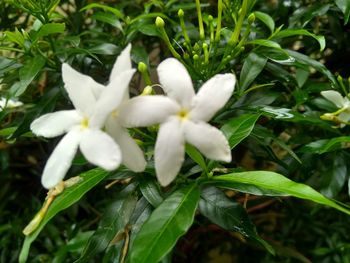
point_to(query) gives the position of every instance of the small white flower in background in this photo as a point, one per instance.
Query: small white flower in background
(343, 103)
(183, 117)
(9, 103)
(93, 104)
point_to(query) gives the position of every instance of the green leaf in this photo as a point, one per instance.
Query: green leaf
(15, 37)
(327, 145)
(252, 67)
(68, 197)
(333, 179)
(108, 18)
(344, 6)
(297, 32)
(266, 19)
(277, 182)
(265, 43)
(196, 156)
(115, 11)
(165, 226)
(228, 214)
(49, 29)
(150, 190)
(27, 73)
(239, 128)
(150, 30)
(112, 223)
(301, 58)
(104, 49)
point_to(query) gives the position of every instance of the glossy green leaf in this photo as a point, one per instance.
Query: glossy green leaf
(27, 74)
(335, 175)
(344, 6)
(252, 67)
(266, 19)
(68, 197)
(228, 214)
(301, 58)
(150, 190)
(297, 32)
(327, 145)
(115, 11)
(303, 15)
(166, 225)
(113, 222)
(277, 182)
(264, 43)
(108, 18)
(196, 156)
(239, 128)
(51, 28)
(105, 49)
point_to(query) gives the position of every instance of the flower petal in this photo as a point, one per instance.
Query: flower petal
(147, 110)
(100, 149)
(169, 151)
(212, 96)
(208, 140)
(132, 155)
(122, 63)
(61, 159)
(81, 89)
(56, 123)
(176, 82)
(110, 98)
(344, 116)
(334, 96)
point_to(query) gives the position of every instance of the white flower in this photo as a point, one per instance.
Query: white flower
(132, 155)
(183, 117)
(83, 125)
(10, 103)
(341, 102)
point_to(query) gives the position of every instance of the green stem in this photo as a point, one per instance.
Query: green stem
(218, 27)
(200, 20)
(235, 35)
(183, 27)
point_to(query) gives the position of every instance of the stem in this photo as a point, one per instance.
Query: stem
(218, 26)
(183, 27)
(235, 35)
(160, 24)
(200, 20)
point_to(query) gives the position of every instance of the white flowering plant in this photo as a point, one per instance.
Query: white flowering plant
(150, 126)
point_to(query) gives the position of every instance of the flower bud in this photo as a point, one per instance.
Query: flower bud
(180, 13)
(159, 22)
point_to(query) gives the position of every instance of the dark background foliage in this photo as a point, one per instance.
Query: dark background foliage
(90, 37)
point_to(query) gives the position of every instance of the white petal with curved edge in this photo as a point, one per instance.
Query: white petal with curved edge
(110, 98)
(132, 155)
(100, 149)
(147, 110)
(56, 123)
(334, 96)
(212, 96)
(169, 150)
(82, 89)
(208, 140)
(344, 116)
(122, 63)
(176, 82)
(61, 159)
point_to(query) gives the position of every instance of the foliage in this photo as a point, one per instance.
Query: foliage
(286, 139)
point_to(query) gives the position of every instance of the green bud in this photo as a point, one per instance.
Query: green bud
(148, 90)
(196, 47)
(251, 18)
(160, 22)
(180, 13)
(186, 56)
(195, 57)
(340, 79)
(205, 45)
(142, 67)
(210, 18)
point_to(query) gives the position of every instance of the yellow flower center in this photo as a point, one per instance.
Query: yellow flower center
(183, 114)
(84, 123)
(115, 113)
